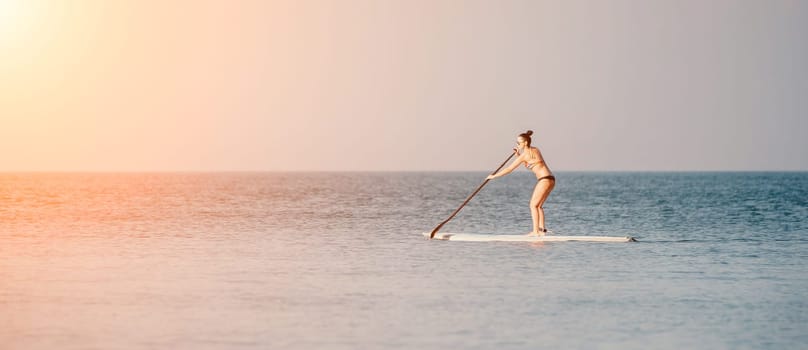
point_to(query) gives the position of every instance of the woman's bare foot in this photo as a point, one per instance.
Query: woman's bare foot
(541, 232)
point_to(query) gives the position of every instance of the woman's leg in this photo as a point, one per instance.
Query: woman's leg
(540, 193)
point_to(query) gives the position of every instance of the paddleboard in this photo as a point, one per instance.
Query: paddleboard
(476, 237)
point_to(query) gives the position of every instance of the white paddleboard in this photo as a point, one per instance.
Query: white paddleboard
(476, 237)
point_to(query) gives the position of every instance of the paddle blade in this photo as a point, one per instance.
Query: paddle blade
(432, 234)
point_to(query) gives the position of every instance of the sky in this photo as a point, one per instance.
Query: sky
(382, 85)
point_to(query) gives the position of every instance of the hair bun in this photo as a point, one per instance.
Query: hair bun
(529, 132)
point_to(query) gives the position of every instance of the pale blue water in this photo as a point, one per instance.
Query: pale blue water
(336, 261)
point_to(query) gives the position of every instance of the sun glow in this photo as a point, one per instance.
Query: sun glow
(13, 15)
(19, 22)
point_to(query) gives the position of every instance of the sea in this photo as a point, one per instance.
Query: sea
(319, 260)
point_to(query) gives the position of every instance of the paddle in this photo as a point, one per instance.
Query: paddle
(432, 235)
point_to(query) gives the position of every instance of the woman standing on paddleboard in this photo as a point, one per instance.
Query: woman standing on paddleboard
(532, 159)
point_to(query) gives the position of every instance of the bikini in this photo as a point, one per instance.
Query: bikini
(548, 177)
(531, 165)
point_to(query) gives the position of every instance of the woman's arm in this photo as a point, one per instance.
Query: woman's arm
(512, 167)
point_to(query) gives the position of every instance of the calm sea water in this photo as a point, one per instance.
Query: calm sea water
(336, 261)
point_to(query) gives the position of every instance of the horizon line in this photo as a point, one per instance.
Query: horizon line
(390, 171)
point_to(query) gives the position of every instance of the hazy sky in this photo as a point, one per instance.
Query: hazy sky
(402, 85)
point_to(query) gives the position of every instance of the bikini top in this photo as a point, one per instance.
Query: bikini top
(535, 158)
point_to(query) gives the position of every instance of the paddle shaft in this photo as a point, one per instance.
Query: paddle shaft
(432, 234)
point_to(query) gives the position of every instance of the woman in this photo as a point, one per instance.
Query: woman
(532, 159)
